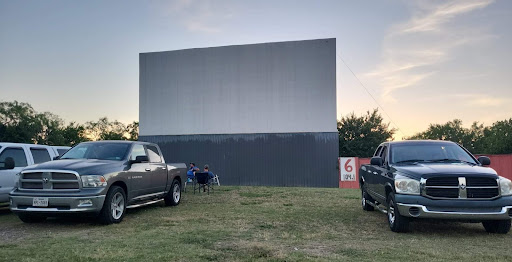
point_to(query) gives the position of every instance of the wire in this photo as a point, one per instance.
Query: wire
(366, 89)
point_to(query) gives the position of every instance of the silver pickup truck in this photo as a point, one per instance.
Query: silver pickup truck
(100, 179)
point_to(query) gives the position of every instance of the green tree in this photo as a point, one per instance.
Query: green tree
(133, 130)
(497, 139)
(73, 134)
(360, 135)
(19, 123)
(104, 129)
(453, 131)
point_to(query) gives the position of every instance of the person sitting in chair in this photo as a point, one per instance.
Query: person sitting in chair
(206, 170)
(191, 171)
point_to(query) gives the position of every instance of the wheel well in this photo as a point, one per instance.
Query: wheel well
(179, 180)
(388, 190)
(122, 185)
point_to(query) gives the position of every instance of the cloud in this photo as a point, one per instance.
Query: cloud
(482, 100)
(434, 19)
(414, 50)
(203, 16)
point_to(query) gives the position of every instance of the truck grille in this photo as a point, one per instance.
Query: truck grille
(461, 187)
(49, 180)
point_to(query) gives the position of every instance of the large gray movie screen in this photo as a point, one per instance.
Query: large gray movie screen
(287, 87)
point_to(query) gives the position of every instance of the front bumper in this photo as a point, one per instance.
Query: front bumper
(59, 205)
(460, 209)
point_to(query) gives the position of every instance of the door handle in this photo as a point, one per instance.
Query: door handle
(148, 169)
(164, 168)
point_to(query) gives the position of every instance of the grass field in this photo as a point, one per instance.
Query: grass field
(250, 224)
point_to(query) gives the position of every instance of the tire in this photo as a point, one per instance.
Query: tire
(173, 198)
(29, 218)
(114, 207)
(497, 226)
(364, 199)
(397, 223)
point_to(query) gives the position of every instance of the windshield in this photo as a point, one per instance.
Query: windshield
(103, 151)
(439, 152)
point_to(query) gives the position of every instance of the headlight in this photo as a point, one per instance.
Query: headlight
(505, 186)
(93, 181)
(405, 185)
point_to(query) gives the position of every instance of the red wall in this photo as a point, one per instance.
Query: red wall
(501, 163)
(354, 184)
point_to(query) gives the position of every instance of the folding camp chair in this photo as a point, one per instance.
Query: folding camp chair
(187, 181)
(215, 180)
(203, 181)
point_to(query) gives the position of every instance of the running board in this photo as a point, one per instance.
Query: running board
(145, 203)
(378, 207)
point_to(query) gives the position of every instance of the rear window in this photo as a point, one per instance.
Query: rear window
(61, 151)
(153, 154)
(40, 155)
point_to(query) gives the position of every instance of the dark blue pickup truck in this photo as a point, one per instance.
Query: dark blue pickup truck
(410, 180)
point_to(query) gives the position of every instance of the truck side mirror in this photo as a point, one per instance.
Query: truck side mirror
(376, 161)
(9, 163)
(485, 161)
(140, 159)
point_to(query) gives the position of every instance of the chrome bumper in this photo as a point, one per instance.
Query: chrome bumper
(59, 205)
(420, 211)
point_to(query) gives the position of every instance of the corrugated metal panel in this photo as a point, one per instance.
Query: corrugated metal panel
(294, 159)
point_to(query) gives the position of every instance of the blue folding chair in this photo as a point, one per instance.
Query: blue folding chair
(203, 181)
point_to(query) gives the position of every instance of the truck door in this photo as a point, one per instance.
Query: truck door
(158, 169)
(382, 174)
(8, 176)
(369, 176)
(139, 174)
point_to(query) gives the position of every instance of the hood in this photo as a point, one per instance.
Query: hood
(427, 170)
(82, 166)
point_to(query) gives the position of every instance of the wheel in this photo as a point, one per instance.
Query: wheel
(397, 223)
(497, 226)
(174, 196)
(114, 207)
(364, 199)
(29, 218)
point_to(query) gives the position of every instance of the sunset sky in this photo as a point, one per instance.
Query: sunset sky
(423, 61)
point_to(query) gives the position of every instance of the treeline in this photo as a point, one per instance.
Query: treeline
(360, 135)
(20, 123)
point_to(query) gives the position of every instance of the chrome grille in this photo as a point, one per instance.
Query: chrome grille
(49, 180)
(447, 187)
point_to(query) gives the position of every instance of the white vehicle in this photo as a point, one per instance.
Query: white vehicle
(15, 156)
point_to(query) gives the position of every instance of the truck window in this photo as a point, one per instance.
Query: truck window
(20, 160)
(40, 155)
(61, 151)
(377, 152)
(154, 156)
(384, 154)
(137, 150)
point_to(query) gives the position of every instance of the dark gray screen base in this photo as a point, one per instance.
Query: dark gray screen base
(292, 159)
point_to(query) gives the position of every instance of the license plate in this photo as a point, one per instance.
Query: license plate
(40, 202)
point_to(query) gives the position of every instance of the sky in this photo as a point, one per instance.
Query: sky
(419, 62)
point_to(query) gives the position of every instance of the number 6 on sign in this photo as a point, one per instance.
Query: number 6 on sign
(347, 168)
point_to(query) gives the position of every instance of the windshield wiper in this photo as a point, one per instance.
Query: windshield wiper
(410, 161)
(452, 160)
